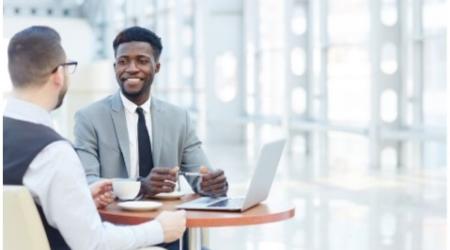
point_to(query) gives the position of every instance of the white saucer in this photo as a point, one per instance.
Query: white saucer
(170, 196)
(139, 205)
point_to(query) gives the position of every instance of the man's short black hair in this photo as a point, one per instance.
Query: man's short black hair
(139, 34)
(32, 55)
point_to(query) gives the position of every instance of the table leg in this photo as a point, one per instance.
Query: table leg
(205, 238)
(198, 238)
(195, 238)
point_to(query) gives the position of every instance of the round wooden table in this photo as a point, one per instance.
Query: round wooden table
(264, 212)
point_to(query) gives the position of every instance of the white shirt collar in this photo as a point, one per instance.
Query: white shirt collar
(131, 106)
(26, 111)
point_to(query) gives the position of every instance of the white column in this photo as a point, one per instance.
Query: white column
(224, 84)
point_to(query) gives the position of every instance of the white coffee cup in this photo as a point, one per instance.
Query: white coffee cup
(126, 189)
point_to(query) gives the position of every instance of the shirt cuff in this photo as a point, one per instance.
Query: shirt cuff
(199, 189)
(154, 233)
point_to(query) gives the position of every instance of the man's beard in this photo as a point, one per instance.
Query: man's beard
(61, 95)
(133, 95)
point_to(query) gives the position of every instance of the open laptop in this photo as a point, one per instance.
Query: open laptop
(259, 186)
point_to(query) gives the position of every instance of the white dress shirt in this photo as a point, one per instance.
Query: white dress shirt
(132, 122)
(56, 181)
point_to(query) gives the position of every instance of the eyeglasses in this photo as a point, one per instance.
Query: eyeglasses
(69, 66)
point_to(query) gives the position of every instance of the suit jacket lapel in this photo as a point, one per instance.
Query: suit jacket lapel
(157, 130)
(120, 125)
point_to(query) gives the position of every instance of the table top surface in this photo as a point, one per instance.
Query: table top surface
(264, 212)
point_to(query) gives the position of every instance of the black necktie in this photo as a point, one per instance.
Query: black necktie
(144, 146)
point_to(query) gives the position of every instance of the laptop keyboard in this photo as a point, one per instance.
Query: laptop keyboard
(207, 200)
(228, 203)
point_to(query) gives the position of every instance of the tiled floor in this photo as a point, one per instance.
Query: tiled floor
(346, 210)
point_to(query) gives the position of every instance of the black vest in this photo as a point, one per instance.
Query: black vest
(22, 141)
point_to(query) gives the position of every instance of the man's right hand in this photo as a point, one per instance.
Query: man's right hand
(173, 224)
(102, 193)
(160, 180)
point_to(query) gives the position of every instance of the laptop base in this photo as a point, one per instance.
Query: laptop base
(212, 204)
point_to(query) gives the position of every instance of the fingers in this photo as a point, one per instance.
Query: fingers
(203, 170)
(174, 170)
(104, 200)
(161, 174)
(157, 190)
(213, 175)
(215, 180)
(181, 215)
(105, 182)
(214, 186)
(165, 170)
(162, 187)
(107, 187)
(100, 187)
(102, 193)
(161, 180)
(215, 183)
(173, 224)
(217, 189)
(210, 187)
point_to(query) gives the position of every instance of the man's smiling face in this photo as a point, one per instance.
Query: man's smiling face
(135, 68)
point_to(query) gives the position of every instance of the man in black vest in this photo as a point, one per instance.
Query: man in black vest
(36, 156)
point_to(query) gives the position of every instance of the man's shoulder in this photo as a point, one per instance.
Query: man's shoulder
(168, 107)
(99, 106)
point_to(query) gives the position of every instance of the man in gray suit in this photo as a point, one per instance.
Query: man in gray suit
(132, 134)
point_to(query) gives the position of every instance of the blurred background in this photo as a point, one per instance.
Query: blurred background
(358, 87)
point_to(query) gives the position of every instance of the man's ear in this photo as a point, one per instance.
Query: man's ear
(158, 66)
(57, 78)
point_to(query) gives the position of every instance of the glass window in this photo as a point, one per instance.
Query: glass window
(298, 22)
(389, 64)
(389, 105)
(348, 84)
(389, 12)
(225, 75)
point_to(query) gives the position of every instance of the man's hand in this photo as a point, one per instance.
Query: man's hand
(102, 193)
(160, 180)
(213, 183)
(173, 224)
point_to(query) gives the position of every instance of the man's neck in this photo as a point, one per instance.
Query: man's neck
(138, 100)
(35, 96)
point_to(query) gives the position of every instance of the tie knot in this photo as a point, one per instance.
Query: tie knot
(139, 110)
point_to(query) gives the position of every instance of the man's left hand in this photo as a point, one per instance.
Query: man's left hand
(213, 183)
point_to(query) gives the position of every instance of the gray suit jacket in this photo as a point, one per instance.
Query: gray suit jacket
(101, 139)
